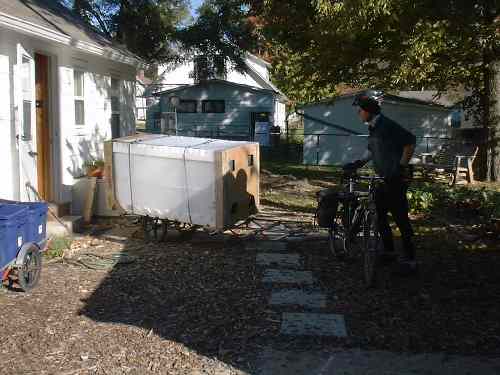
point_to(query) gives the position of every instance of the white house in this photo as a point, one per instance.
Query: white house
(334, 134)
(256, 75)
(64, 90)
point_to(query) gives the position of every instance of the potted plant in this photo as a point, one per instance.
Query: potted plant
(94, 168)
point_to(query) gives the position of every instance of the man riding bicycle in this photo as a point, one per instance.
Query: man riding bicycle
(390, 147)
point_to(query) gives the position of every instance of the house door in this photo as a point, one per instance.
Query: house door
(24, 78)
(42, 125)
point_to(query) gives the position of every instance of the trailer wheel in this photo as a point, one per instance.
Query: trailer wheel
(28, 273)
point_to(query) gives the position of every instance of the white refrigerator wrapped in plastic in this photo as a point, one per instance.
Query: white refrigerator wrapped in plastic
(200, 181)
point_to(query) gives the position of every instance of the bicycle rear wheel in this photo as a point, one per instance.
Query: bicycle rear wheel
(371, 238)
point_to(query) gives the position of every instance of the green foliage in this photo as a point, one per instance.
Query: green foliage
(388, 44)
(147, 27)
(57, 246)
(222, 29)
(420, 201)
(429, 197)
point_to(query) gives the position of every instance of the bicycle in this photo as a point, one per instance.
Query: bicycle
(358, 215)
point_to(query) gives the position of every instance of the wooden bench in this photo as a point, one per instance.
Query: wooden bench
(455, 159)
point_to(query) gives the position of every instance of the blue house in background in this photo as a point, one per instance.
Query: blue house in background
(217, 109)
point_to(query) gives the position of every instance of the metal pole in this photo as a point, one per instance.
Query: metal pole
(175, 115)
(317, 149)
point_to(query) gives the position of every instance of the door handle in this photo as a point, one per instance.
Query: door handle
(32, 154)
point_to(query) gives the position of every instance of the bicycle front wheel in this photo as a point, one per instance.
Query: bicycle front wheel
(335, 237)
(371, 238)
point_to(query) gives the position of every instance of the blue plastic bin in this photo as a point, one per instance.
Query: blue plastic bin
(13, 231)
(37, 221)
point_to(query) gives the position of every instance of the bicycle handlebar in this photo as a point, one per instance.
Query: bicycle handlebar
(369, 178)
(354, 175)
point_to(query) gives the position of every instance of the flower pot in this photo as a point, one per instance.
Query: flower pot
(97, 172)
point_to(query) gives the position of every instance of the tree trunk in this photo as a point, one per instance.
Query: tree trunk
(491, 77)
(494, 122)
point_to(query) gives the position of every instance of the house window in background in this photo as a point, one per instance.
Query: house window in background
(115, 107)
(187, 106)
(79, 98)
(213, 106)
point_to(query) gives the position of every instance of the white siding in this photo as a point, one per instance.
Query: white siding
(7, 169)
(79, 144)
(182, 75)
(242, 78)
(71, 145)
(280, 115)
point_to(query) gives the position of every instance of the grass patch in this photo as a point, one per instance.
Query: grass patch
(302, 203)
(57, 246)
(301, 170)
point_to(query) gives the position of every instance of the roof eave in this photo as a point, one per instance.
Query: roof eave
(38, 31)
(221, 81)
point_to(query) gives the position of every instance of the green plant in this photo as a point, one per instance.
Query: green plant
(57, 246)
(420, 200)
(99, 163)
(88, 164)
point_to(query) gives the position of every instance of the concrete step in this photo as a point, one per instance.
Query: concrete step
(67, 226)
(59, 209)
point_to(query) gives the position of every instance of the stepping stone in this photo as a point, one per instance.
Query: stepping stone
(281, 260)
(288, 276)
(267, 245)
(310, 324)
(304, 298)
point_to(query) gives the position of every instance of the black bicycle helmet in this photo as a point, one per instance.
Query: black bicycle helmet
(367, 103)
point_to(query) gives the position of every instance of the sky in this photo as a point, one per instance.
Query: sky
(194, 5)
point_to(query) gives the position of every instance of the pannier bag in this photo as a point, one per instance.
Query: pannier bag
(328, 201)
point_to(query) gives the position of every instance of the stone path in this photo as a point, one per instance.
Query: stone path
(363, 362)
(294, 286)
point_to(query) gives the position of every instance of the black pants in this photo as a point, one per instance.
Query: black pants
(391, 197)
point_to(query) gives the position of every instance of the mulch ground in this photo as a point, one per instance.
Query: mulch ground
(175, 308)
(198, 306)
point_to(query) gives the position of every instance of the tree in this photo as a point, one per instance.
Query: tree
(388, 44)
(146, 27)
(222, 29)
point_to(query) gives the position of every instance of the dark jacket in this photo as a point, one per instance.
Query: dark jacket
(386, 141)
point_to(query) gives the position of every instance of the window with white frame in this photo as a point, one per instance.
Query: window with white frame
(79, 93)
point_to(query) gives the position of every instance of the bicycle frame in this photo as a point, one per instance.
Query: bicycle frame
(359, 213)
(355, 209)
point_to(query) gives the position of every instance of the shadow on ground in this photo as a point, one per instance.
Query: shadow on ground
(202, 294)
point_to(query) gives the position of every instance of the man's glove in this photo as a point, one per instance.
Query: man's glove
(353, 165)
(406, 172)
